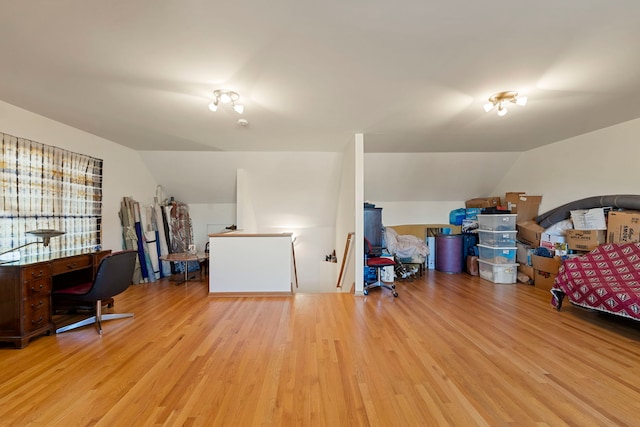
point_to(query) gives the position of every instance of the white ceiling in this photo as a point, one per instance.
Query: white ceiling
(411, 75)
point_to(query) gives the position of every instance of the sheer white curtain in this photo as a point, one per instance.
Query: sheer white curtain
(48, 187)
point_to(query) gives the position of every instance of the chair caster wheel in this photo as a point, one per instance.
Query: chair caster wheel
(393, 286)
(366, 292)
(395, 294)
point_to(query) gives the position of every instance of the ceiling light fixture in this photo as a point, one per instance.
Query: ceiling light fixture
(223, 96)
(500, 98)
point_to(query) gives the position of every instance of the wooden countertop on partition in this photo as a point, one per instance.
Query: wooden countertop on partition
(243, 234)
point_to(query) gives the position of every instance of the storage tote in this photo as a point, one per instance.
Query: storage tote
(498, 273)
(497, 238)
(497, 222)
(498, 255)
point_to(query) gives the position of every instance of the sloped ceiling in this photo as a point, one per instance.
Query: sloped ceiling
(433, 176)
(411, 76)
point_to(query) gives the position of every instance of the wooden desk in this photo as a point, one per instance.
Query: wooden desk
(25, 291)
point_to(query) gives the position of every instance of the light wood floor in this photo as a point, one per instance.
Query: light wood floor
(450, 350)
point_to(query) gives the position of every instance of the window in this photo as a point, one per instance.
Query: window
(48, 187)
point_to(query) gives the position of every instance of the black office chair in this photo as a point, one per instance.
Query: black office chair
(113, 277)
(378, 263)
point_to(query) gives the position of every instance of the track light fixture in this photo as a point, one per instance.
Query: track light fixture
(500, 98)
(223, 96)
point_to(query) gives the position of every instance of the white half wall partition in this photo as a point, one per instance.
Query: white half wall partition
(243, 264)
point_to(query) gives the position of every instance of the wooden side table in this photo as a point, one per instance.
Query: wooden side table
(184, 257)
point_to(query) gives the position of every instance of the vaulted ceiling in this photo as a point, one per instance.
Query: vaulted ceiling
(411, 75)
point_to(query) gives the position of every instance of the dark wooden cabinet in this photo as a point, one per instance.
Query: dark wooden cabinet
(25, 292)
(373, 228)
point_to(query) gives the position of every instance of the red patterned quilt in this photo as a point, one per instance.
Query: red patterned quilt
(605, 279)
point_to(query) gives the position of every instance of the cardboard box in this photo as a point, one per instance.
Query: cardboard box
(546, 270)
(589, 219)
(525, 206)
(528, 207)
(544, 280)
(527, 270)
(482, 202)
(553, 241)
(585, 240)
(624, 227)
(529, 232)
(511, 200)
(548, 265)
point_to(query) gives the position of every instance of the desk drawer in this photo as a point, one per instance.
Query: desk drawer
(35, 288)
(79, 262)
(37, 313)
(37, 272)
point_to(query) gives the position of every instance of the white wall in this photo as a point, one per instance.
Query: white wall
(245, 214)
(423, 188)
(359, 211)
(124, 173)
(345, 219)
(210, 218)
(604, 162)
(397, 213)
(433, 177)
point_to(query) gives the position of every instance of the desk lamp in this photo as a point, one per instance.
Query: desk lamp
(45, 233)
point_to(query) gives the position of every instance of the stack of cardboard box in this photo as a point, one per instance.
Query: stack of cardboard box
(592, 227)
(541, 270)
(528, 235)
(589, 229)
(545, 271)
(597, 226)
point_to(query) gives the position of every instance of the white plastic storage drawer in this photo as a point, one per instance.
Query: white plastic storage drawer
(497, 238)
(498, 222)
(498, 273)
(498, 255)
